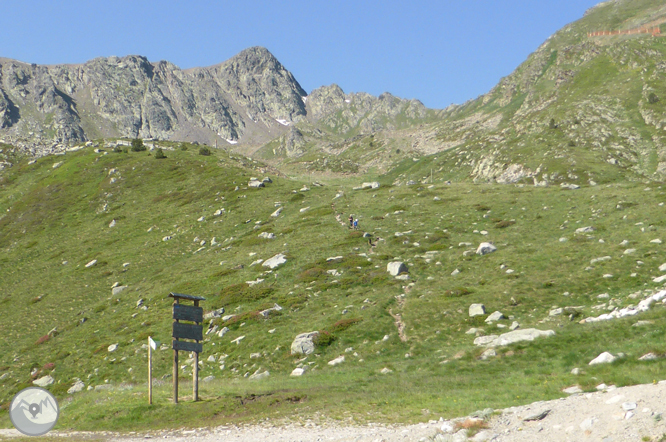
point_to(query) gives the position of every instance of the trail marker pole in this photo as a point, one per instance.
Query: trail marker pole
(152, 345)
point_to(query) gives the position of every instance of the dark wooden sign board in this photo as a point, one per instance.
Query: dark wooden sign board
(187, 331)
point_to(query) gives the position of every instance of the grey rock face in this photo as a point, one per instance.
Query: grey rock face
(396, 268)
(304, 343)
(132, 97)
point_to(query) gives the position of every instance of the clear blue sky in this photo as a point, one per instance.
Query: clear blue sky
(438, 51)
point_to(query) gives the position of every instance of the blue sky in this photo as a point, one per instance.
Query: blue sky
(440, 52)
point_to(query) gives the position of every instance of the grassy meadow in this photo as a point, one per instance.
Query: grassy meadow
(60, 317)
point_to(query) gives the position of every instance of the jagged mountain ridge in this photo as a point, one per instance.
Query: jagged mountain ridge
(248, 99)
(131, 97)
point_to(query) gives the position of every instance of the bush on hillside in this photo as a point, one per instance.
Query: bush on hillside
(137, 145)
(159, 154)
(652, 98)
(204, 151)
(118, 149)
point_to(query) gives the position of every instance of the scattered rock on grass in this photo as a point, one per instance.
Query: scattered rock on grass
(477, 310)
(603, 358)
(304, 343)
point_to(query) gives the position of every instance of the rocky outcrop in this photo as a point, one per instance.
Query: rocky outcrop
(240, 99)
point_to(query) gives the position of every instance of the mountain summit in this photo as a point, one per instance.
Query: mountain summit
(246, 97)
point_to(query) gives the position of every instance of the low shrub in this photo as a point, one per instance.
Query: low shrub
(204, 151)
(159, 154)
(42, 340)
(344, 324)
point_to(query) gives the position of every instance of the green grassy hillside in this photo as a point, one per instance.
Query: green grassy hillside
(56, 217)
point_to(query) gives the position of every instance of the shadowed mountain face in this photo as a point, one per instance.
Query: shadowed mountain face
(240, 99)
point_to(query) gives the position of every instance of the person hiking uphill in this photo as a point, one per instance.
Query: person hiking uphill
(356, 224)
(351, 222)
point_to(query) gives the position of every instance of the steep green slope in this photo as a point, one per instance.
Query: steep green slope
(579, 109)
(57, 219)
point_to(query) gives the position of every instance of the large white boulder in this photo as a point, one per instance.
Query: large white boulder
(397, 267)
(304, 343)
(477, 310)
(485, 248)
(603, 358)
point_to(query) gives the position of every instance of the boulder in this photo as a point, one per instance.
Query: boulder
(397, 267)
(44, 381)
(485, 248)
(255, 184)
(277, 212)
(304, 343)
(267, 235)
(477, 310)
(266, 313)
(528, 334)
(603, 358)
(336, 361)
(112, 348)
(372, 185)
(275, 261)
(259, 375)
(587, 229)
(495, 316)
(299, 371)
(116, 290)
(77, 387)
(214, 314)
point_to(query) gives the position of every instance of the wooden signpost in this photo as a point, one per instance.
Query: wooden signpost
(187, 331)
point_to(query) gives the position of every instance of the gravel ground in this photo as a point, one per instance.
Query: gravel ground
(615, 415)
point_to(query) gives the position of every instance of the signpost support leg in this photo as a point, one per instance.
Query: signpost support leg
(175, 376)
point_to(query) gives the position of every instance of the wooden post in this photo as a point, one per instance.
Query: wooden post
(175, 365)
(195, 372)
(150, 373)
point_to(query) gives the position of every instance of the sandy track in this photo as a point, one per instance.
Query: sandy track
(619, 415)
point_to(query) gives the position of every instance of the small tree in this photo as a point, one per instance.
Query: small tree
(204, 151)
(159, 154)
(552, 124)
(137, 145)
(652, 98)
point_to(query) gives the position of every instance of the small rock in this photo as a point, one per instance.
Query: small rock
(44, 381)
(336, 361)
(477, 310)
(494, 317)
(77, 387)
(299, 371)
(91, 263)
(384, 370)
(603, 358)
(573, 390)
(208, 378)
(575, 371)
(485, 248)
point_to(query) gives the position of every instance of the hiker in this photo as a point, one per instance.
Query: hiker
(370, 242)
(356, 224)
(351, 221)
